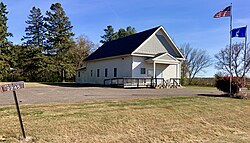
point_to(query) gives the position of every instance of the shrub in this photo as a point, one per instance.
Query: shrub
(223, 84)
(248, 86)
(203, 81)
(183, 80)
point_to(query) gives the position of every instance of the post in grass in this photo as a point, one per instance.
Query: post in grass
(13, 87)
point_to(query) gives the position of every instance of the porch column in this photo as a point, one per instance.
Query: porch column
(154, 69)
(177, 71)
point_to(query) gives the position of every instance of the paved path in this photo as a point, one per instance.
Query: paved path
(55, 94)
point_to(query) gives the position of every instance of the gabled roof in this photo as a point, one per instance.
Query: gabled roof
(122, 46)
(164, 58)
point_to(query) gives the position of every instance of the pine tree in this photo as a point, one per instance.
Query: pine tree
(3, 24)
(110, 33)
(35, 32)
(59, 29)
(33, 65)
(60, 39)
(5, 45)
(130, 30)
(123, 33)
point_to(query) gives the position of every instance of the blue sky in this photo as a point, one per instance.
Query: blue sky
(186, 21)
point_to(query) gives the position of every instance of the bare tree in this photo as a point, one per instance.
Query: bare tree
(196, 61)
(240, 60)
(83, 48)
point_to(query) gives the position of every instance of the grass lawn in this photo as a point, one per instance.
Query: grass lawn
(172, 119)
(28, 84)
(43, 84)
(201, 87)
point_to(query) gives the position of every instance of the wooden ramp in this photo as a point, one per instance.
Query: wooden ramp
(142, 82)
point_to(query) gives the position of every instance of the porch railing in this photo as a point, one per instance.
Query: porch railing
(141, 82)
(175, 82)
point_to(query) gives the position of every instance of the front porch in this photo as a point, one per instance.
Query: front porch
(164, 59)
(142, 82)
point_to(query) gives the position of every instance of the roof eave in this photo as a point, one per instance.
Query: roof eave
(112, 57)
(146, 40)
(172, 42)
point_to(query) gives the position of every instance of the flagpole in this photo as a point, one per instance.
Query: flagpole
(245, 58)
(246, 39)
(230, 56)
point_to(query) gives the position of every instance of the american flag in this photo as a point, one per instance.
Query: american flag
(226, 12)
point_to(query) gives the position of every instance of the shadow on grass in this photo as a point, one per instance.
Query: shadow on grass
(236, 96)
(214, 95)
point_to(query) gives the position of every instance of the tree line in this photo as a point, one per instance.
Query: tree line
(110, 33)
(196, 60)
(49, 52)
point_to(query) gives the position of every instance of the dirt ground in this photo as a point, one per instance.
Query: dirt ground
(57, 94)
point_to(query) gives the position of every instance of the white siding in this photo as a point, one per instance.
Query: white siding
(138, 63)
(152, 46)
(81, 78)
(158, 43)
(126, 67)
(166, 43)
(123, 65)
(171, 72)
(162, 70)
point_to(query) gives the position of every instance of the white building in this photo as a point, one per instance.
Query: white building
(147, 54)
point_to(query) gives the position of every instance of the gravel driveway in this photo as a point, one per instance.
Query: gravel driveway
(56, 94)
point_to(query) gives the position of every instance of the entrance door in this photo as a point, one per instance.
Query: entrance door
(150, 73)
(159, 74)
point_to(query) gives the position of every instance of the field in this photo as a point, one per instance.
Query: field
(163, 119)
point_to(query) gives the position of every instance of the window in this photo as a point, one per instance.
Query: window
(106, 72)
(79, 73)
(143, 70)
(91, 73)
(98, 73)
(115, 72)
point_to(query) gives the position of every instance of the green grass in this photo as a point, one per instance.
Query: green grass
(43, 84)
(201, 87)
(29, 84)
(171, 119)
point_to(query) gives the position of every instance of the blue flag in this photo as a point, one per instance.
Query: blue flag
(239, 32)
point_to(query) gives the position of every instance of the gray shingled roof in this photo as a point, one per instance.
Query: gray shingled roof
(121, 46)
